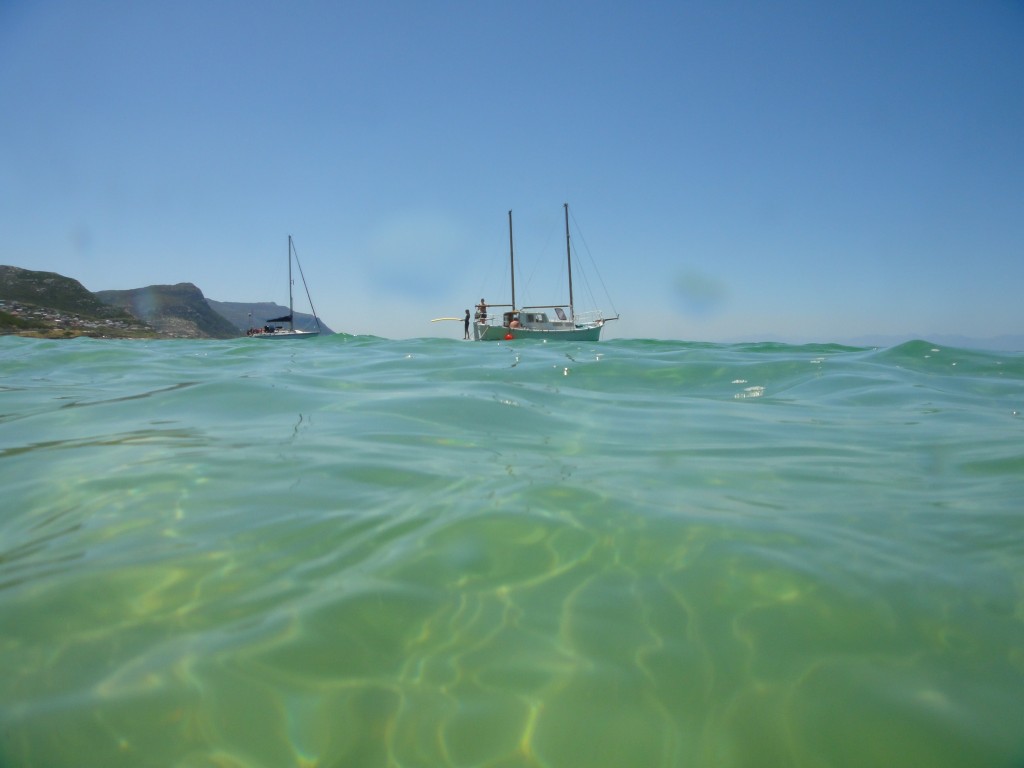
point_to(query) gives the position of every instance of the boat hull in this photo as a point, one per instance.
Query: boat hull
(484, 332)
(285, 335)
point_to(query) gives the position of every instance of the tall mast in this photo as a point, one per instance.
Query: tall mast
(291, 312)
(512, 260)
(568, 259)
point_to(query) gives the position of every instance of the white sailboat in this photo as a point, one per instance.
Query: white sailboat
(554, 322)
(271, 331)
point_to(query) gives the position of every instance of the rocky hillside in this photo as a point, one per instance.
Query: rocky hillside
(178, 311)
(48, 289)
(47, 304)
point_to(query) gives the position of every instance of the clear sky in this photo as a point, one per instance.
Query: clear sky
(738, 169)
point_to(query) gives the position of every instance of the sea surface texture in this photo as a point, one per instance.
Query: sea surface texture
(641, 554)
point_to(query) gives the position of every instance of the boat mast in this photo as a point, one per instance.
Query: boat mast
(512, 260)
(568, 259)
(291, 312)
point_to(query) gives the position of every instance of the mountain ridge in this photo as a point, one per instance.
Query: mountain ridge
(179, 310)
(48, 304)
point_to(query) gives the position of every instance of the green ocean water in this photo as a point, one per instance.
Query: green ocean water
(360, 552)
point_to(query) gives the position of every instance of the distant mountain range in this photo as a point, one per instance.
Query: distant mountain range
(52, 305)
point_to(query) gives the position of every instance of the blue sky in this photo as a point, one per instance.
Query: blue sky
(737, 170)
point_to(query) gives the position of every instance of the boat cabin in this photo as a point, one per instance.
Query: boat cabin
(536, 319)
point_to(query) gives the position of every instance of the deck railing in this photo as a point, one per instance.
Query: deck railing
(589, 318)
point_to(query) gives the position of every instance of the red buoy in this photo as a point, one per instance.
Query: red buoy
(508, 337)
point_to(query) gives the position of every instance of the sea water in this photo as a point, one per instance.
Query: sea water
(361, 552)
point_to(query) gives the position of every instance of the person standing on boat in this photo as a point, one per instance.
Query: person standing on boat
(481, 311)
(466, 324)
